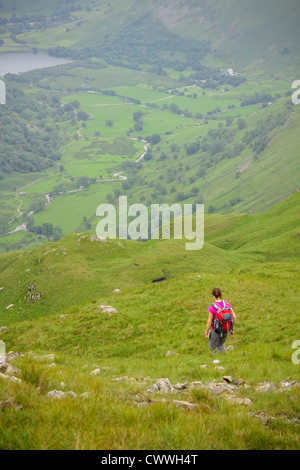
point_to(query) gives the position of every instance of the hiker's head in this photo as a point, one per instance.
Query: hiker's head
(216, 292)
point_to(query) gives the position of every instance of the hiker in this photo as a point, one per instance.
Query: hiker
(221, 320)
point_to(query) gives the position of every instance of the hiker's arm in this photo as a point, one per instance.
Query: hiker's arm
(208, 325)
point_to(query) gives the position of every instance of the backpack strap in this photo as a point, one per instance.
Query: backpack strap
(214, 306)
(224, 303)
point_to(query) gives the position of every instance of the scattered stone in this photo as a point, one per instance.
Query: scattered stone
(239, 382)
(51, 365)
(262, 416)
(220, 368)
(10, 370)
(9, 306)
(239, 401)
(285, 385)
(124, 379)
(94, 238)
(161, 386)
(171, 353)
(181, 386)
(58, 394)
(107, 309)
(12, 378)
(10, 403)
(196, 385)
(218, 389)
(216, 361)
(3, 328)
(203, 366)
(120, 244)
(95, 372)
(62, 384)
(62, 317)
(32, 293)
(228, 379)
(230, 348)
(3, 367)
(184, 404)
(265, 387)
(11, 355)
(116, 291)
(84, 395)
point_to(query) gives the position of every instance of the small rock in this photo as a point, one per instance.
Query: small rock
(216, 361)
(11, 378)
(121, 379)
(107, 309)
(95, 372)
(58, 394)
(3, 367)
(181, 386)
(239, 382)
(51, 365)
(3, 328)
(184, 404)
(10, 370)
(120, 244)
(196, 385)
(240, 401)
(203, 366)
(84, 395)
(171, 353)
(116, 291)
(11, 355)
(161, 386)
(48, 357)
(94, 238)
(218, 389)
(265, 387)
(230, 348)
(62, 317)
(220, 368)
(264, 417)
(228, 379)
(9, 306)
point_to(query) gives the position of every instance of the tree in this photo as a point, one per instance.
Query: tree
(47, 229)
(241, 123)
(57, 233)
(109, 123)
(155, 139)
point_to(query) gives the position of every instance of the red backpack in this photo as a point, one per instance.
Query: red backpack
(224, 319)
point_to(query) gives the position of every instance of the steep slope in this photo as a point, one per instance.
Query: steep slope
(77, 269)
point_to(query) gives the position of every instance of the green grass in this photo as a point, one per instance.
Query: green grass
(151, 320)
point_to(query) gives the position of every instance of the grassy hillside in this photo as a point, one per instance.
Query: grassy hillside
(129, 346)
(232, 242)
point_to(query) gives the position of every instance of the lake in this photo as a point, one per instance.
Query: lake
(16, 62)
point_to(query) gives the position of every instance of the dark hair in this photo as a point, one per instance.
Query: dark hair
(216, 292)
